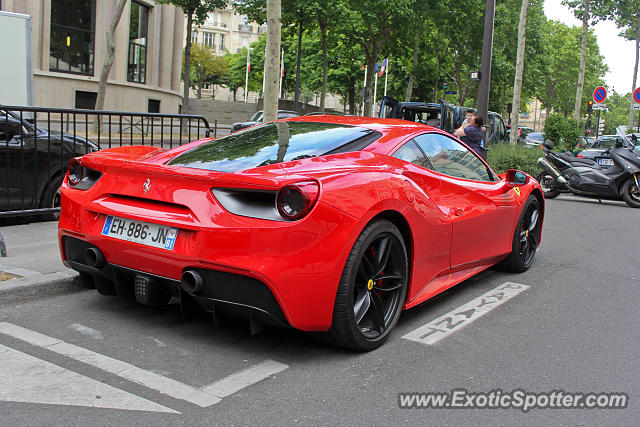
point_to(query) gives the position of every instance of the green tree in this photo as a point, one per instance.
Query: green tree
(206, 68)
(370, 25)
(616, 113)
(626, 14)
(561, 63)
(196, 12)
(236, 64)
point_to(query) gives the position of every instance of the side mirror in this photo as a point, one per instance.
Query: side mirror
(516, 177)
(548, 144)
(618, 143)
(634, 138)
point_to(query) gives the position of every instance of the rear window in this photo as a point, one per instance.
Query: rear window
(275, 142)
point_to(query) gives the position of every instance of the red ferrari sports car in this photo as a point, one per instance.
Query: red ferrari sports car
(321, 223)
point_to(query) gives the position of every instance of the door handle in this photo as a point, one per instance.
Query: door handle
(458, 212)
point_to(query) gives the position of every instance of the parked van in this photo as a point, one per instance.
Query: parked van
(443, 115)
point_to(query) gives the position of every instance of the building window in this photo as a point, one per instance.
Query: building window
(72, 37)
(153, 106)
(194, 37)
(138, 29)
(208, 39)
(86, 100)
(221, 47)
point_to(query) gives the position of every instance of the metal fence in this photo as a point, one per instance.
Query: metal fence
(36, 145)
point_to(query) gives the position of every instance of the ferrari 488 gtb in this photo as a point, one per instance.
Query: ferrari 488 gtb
(322, 223)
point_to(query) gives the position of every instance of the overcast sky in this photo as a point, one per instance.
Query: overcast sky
(619, 54)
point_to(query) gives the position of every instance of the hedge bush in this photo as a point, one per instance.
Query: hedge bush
(502, 157)
(564, 132)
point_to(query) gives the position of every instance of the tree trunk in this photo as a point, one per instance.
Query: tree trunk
(635, 69)
(187, 63)
(274, 20)
(325, 69)
(108, 60)
(200, 78)
(517, 82)
(371, 63)
(352, 98)
(414, 63)
(298, 60)
(583, 56)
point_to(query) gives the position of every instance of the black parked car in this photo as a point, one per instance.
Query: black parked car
(33, 163)
(257, 118)
(597, 150)
(442, 115)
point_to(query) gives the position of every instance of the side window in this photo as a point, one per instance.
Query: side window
(490, 129)
(449, 157)
(8, 130)
(501, 132)
(410, 152)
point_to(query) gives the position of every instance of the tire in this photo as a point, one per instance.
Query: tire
(372, 289)
(51, 198)
(526, 237)
(631, 193)
(546, 181)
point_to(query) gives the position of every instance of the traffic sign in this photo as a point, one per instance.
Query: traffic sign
(450, 92)
(599, 95)
(636, 95)
(636, 106)
(599, 106)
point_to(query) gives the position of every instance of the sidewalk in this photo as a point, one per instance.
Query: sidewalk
(33, 267)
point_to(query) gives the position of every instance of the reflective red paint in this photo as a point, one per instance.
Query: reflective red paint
(454, 228)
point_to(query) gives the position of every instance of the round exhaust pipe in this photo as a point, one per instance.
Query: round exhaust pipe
(191, 281)
(94, 258)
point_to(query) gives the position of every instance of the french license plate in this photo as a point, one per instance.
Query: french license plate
(145, 233)
(605, 162)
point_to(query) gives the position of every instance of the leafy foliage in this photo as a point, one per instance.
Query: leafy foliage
(563, 131)
(502, 157)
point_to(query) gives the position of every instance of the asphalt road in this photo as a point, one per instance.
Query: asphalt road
(573, 329)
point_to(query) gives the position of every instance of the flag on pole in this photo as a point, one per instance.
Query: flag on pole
(246, 78)
(384, 67)
(386, 74)
(375, 69)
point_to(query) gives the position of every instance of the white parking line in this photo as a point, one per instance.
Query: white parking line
(28, 379)
(204, 397)
(236, 382)
(457, 319)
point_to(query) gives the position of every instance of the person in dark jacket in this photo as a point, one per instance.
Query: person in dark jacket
(472, 134)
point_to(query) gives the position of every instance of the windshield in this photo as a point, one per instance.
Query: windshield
(621, 132)
(275, 142)
(257, 116)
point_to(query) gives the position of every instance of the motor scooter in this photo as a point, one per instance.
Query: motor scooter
(564, 173)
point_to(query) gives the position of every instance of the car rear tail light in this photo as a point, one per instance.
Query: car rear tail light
(580, 155)
(76, 171)
(80, 176)
(294, 201)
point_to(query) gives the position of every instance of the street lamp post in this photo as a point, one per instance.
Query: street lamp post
(485, 65)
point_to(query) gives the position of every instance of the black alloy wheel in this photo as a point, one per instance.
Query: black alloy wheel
(372, 289)
(526, 237)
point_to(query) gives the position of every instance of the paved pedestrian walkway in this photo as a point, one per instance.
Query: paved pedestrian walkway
(33, 266)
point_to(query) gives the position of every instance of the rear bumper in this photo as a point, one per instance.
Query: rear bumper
(231, 293)
(285, 273)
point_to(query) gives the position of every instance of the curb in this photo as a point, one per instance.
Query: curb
(42, 285)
